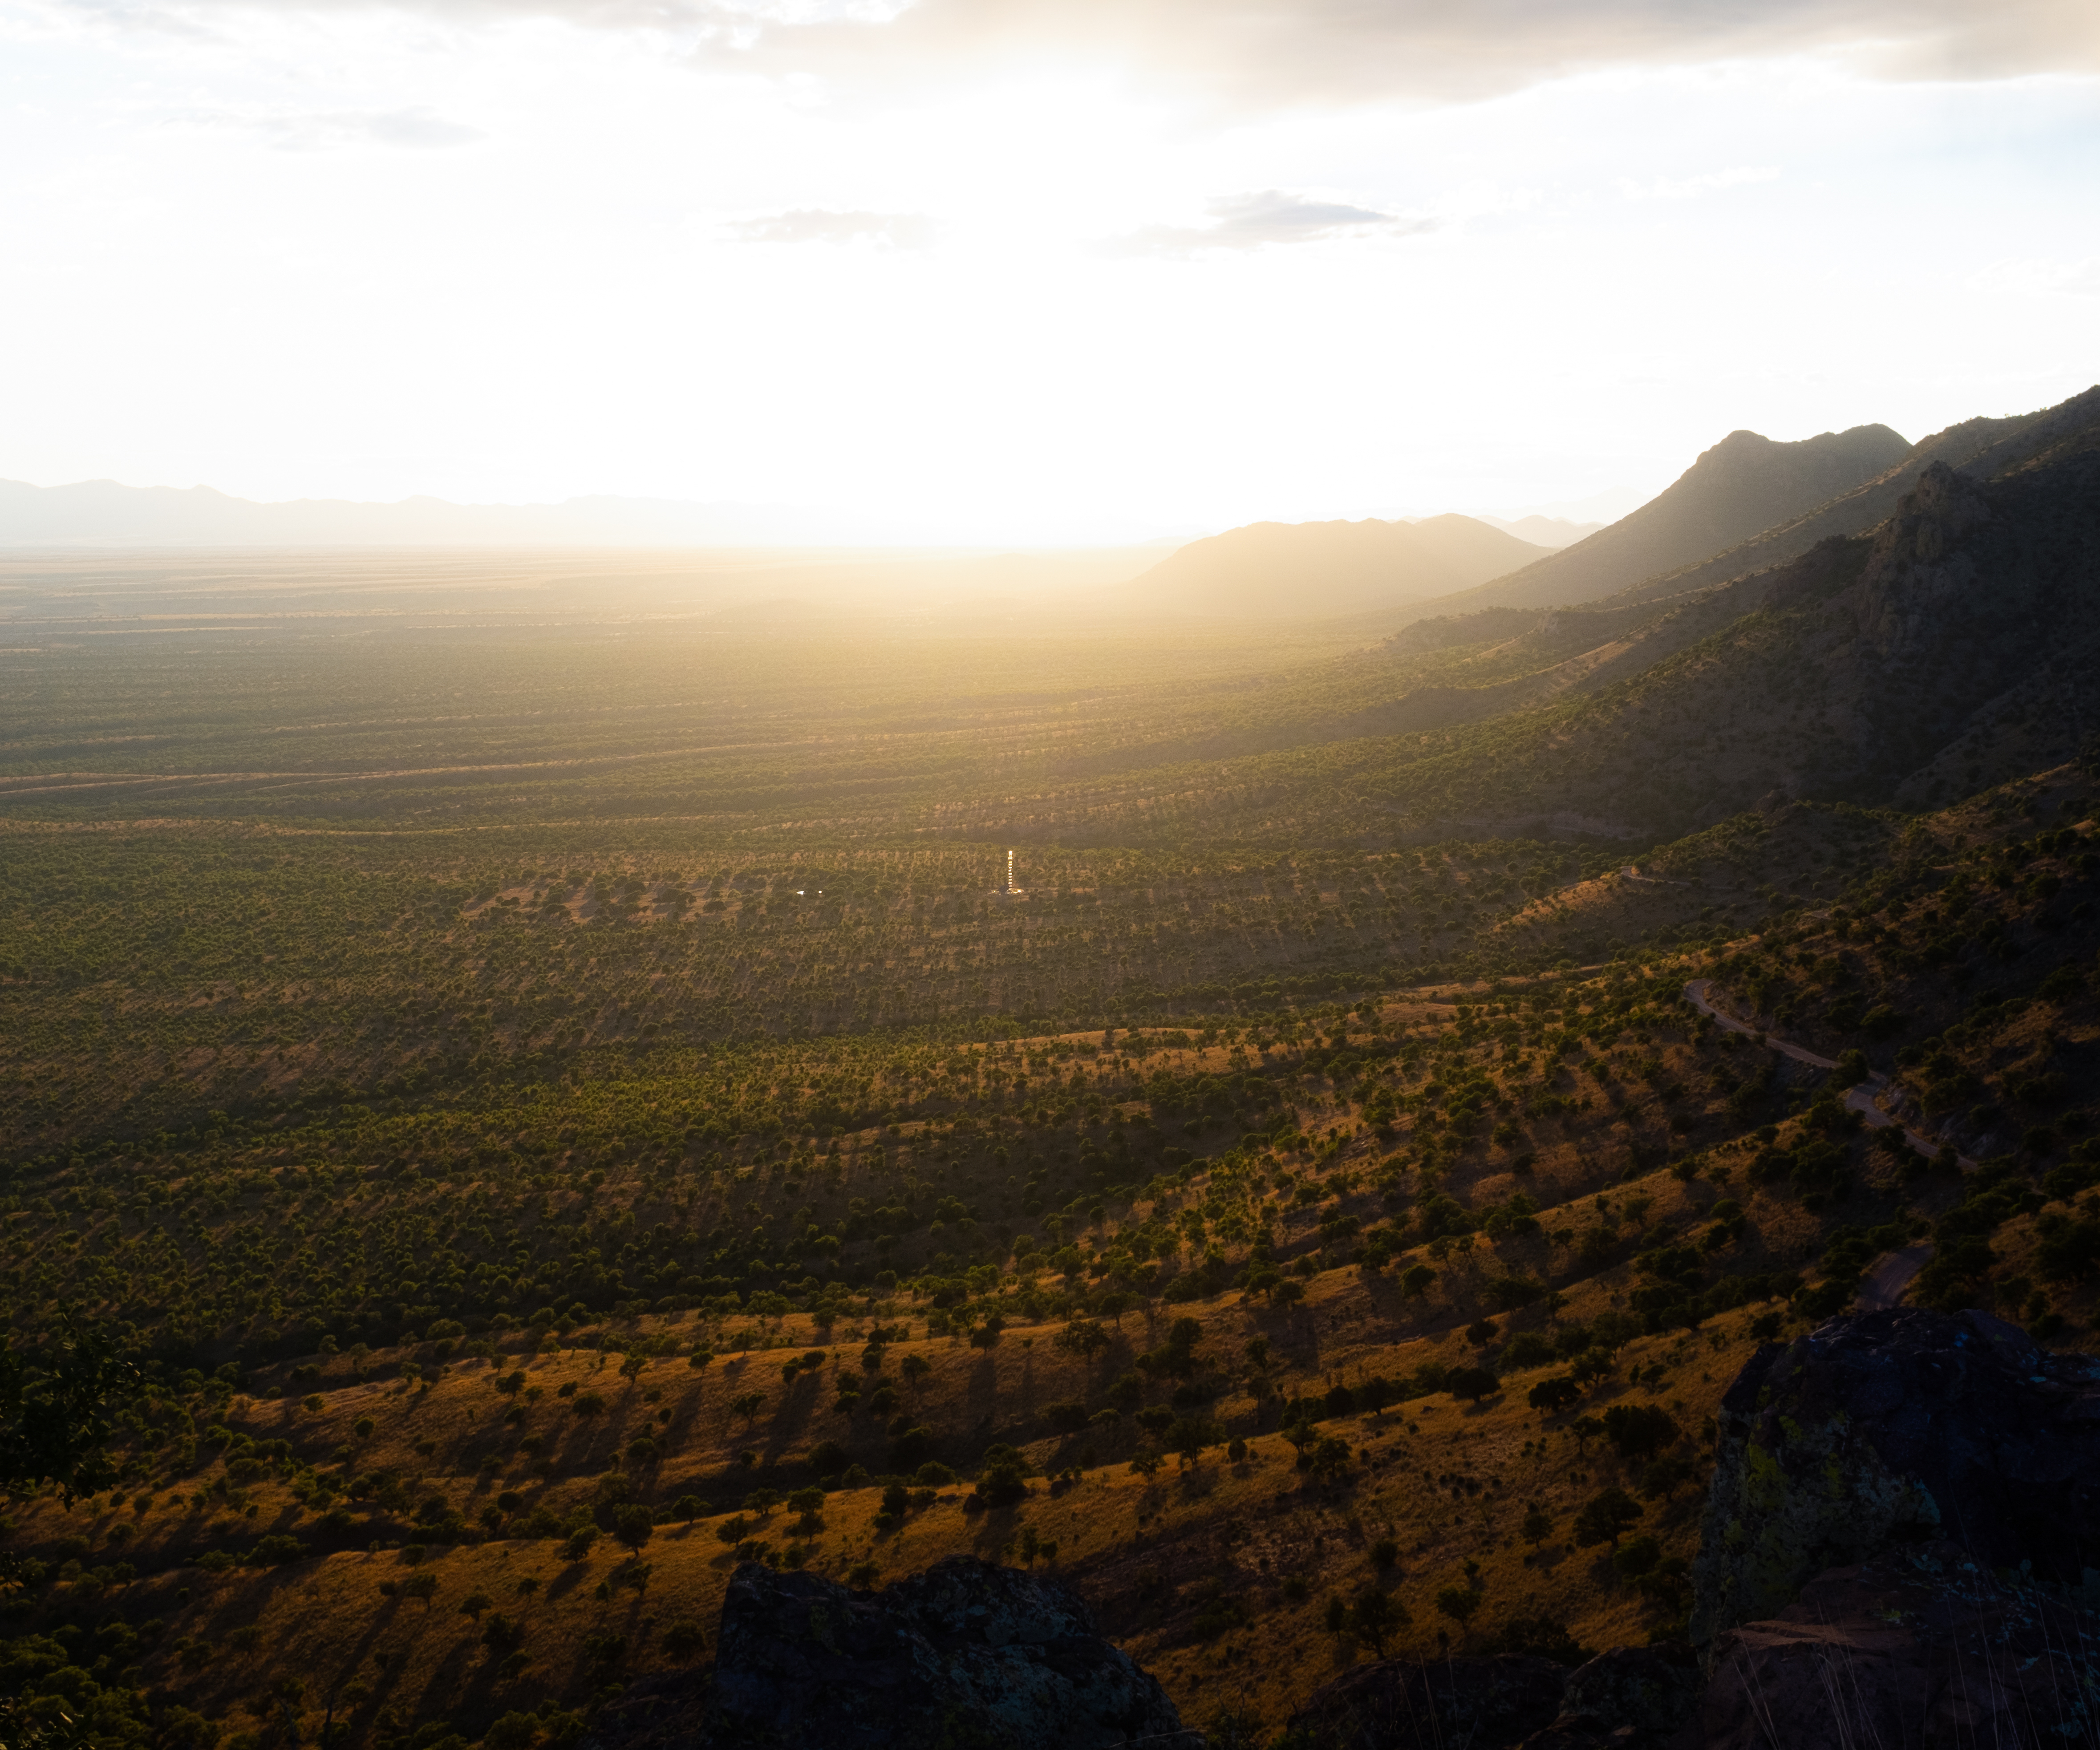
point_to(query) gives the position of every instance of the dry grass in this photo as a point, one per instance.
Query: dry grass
(1147, 1553)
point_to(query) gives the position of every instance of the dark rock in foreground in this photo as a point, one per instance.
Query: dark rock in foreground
(966, 1654)
(1399, 1704)
(1632, 1698)
(1893, 1428)
(1919, 1650)
(1635, 1698)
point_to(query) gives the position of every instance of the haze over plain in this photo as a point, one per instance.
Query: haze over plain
(975, 273)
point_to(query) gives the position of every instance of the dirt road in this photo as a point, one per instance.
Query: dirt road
(1886, 1281)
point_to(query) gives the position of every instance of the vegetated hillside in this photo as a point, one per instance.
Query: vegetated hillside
(1744, 485)
(1951, 650)
(164, 973)
(1708, 886)
(1463, 1273)
(1302, 571)
(1982, 449)
(1419, 1299)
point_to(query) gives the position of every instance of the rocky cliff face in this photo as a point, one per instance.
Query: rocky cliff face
(966, 1654)
(1921, 1646)
(1893, 1428)
(1899, 1550)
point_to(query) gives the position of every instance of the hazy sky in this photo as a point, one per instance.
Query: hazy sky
(1028, 269)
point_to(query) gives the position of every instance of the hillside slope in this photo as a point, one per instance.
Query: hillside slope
(1984, 449)
(1298, 570)
(1742, 487)
(1945, 652)
(1949, 649)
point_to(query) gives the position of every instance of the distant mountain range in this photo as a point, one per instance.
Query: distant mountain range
(1554, 532)
(104, 513)
(1743, 490)
(1299, 570)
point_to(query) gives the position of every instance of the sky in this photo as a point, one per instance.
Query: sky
(1031, 271)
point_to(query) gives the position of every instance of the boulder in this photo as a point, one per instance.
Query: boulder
(1920, 1649)
(1897, 1427)
(967, 1654)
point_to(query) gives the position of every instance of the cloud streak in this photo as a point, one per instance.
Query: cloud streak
(1256, 220)
(1255, 55)
(417, 130)
(900, 231)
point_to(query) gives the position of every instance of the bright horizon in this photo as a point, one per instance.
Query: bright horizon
(997, 272)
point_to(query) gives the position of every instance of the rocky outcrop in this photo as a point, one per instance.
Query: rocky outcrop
(1919, 565)
(1892, 1428)
(1398, 1705)
(1629, 1697)
(966, 1654)
(1635, 1698)
(1920, 1649)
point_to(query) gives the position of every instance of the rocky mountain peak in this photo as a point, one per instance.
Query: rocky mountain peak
(1917, 563)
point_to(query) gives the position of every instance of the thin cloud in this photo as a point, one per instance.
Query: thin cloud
(422, 129)
(2027, 276)
(417, 130)
(900, 231)
(1256, 55)
(1690, 188)
(1255, 221)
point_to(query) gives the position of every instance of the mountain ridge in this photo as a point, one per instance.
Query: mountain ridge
(1291, 570)
(1732, 492)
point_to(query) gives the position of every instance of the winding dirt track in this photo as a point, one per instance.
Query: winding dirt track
(1884, 1284)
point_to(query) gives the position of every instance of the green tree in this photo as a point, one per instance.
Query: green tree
(1471, 1383)
(1459, 1603)
(1639, 1430)
(1555, 1394)
(1187, 1436)
(1328, 1460)
(1373, 1616)
(633, 1525)
(1637, 1556)
(1605, 1518)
